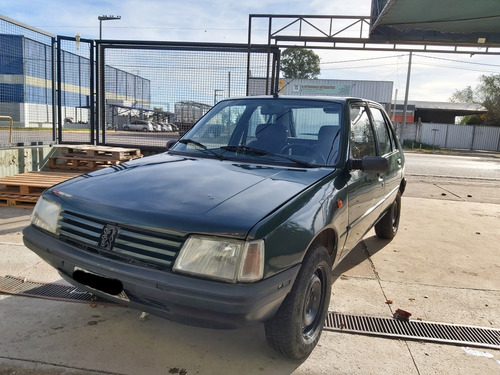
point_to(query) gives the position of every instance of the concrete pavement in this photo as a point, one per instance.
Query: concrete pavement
(443, 266)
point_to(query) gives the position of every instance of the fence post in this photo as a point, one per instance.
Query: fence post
(446, 136)
(10, 127)
(473, 137)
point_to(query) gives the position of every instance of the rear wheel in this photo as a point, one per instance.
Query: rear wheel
(388, 226)
(296, 328)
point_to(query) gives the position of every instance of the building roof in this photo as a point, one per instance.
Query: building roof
(459, 109)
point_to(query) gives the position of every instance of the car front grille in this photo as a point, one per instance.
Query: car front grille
(152, 248)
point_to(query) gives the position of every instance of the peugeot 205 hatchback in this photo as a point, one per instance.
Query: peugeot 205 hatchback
(241, 220)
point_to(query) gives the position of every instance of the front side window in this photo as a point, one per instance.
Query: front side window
(362, 140)
(381, 129)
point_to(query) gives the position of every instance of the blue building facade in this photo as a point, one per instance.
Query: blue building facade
(26, 83)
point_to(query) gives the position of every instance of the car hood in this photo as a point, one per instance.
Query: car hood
(187, 194)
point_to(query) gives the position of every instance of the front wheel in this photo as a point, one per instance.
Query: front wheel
(388, 226)
(296, 328)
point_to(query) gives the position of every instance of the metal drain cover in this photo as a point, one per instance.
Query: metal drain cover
(19, 286)
(414, 330)
(367, 325)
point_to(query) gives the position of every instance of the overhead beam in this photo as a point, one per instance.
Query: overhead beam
(351, 33)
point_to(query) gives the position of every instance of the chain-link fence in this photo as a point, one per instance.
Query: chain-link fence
(155, 91)
(26, 84)
(145, 93)
(76, 96)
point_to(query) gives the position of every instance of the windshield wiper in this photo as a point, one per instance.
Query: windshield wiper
(246, 149)
(258, 151)
(187, 141)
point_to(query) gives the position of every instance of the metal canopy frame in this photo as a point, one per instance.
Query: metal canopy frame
(461, 21)
(351, 33)
(356, 33)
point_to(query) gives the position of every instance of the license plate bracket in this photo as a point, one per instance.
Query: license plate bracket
(109, 286)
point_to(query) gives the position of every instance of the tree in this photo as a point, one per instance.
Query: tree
(463, 96)
(300, 63)
(467, 96)
(486, 93)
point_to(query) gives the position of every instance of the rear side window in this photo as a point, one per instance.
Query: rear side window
(362, 140)
(384, 140)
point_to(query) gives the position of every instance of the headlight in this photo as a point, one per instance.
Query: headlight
(222, 259)
(46, 215)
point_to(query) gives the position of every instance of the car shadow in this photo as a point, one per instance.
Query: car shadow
(361, 252)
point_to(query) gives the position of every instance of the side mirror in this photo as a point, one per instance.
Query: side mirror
(170, 143)
(370, 164)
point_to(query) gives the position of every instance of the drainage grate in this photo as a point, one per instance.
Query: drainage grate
(368, 325)
(414, 330)
(18, 286)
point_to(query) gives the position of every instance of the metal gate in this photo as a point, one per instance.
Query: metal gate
(150, 92)
(75, 94)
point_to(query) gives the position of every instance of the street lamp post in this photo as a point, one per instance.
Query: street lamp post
(106, 18)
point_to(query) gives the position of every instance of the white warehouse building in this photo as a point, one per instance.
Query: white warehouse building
(379, 91)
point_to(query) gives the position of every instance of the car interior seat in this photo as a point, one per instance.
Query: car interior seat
(270, 137)
(328, 143)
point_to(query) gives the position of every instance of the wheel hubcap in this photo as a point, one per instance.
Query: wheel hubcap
(313, 300)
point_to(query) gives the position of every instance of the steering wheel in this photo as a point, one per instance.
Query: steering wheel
(309, 151)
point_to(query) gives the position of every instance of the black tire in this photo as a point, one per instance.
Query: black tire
(387, 227)
(296, 328)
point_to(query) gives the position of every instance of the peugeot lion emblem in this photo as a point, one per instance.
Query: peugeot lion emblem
(108, 236)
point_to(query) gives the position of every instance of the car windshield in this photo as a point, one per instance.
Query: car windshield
(302, 132)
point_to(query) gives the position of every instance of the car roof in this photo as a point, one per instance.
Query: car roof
(334, 99)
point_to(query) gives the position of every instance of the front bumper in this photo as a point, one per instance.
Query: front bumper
(176, 297)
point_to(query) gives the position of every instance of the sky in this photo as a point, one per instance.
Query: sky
(434, 77)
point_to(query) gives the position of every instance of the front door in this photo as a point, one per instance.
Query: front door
(365, 190)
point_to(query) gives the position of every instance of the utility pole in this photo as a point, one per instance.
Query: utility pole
(406, 96)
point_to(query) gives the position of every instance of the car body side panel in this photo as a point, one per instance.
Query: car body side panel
(392, 179)
(366, 192)
(289, 231)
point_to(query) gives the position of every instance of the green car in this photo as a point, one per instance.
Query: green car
(241, 220)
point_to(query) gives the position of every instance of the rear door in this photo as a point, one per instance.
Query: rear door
(388, 148)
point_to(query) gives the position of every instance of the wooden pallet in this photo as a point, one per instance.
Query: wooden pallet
(23, 190)
(18, 200)
(101, 152)
(89, 158)
(79, 163)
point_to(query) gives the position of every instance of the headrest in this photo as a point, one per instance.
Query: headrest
(270, 131)
(327, 132)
